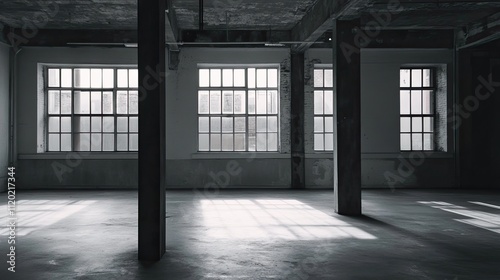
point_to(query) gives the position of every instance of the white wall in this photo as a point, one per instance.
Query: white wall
(4, 115)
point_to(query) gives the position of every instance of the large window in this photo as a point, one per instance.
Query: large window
(92, 109)
(238, 109)
(323, 109)
(417, 95)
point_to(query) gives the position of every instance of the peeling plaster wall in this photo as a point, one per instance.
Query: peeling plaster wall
(4, 115)
(186, 167)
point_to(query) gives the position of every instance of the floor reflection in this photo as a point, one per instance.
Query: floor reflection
(33, 215)
(479, 219)
(282, 219)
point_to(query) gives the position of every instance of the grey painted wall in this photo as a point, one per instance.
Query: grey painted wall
(4, 115)
(187, 168)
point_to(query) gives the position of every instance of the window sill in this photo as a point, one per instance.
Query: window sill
(435, 154)
(83, 155)
(238, 155)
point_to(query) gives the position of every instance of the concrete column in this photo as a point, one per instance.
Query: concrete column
(297, 121)
(152, 225)
(347, 117)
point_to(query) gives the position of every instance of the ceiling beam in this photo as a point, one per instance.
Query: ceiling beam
(242, 38)
(481, 32)
(319, 18)
(414, 39)
(64, 37)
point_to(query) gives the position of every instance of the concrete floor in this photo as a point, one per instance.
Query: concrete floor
(259, 235)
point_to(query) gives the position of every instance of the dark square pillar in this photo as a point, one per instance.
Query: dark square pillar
(297, 121)
(347, 117)
(152, 225)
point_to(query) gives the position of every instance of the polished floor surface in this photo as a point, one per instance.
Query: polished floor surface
(261, 234)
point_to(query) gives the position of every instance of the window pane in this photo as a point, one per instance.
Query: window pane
(428, 106)
(107, 102)
(54, 124)
(427, 77)
(328, 78)
(239, 102)
(96, 78)
(96, 142)
(215, 102)
(54, 104)
(134, 142)
(261, 102)
(122, 142)
(272, 124)
(215, 77)
(239, 142)
(227, 124)
(405, 102)
(203, 106)
(416, 78)
(227, 142)
(215, 142)
(108, 79)
(261, 124)
(134, 102)
(66, 124)
(272, 78)
(251, 77)
(134, 124)
(416, 102)
(239, 77)
(328, 102)
(122, 78)
(416, 139)
(215, 125)
(318, 78)
(318, 102)
(405, 142)
(121, 102)
(108, 142)
(65, 102)
(82, 142)
(239, 125)
(54, 78)
(319, 142)
(227, 105)
(82, 78)
(272, 102)
(96, 124)
(261, 142)
(82, 102)
(203, 142)
(108, 124)
(404, 78)
(261, 78)
(428, 142)
(428, 124)
(251, 102)
(204, 78)
(416, 124)
(54, 142)
(328, 124)
(133, 78)
(328, 142)
(82, 124)
(405, 124)
(65, 142)
(95, 102)
(272, 142)
(203, 125)
(66, 77)
(318, 124)
(227, 77)
(122, 124)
